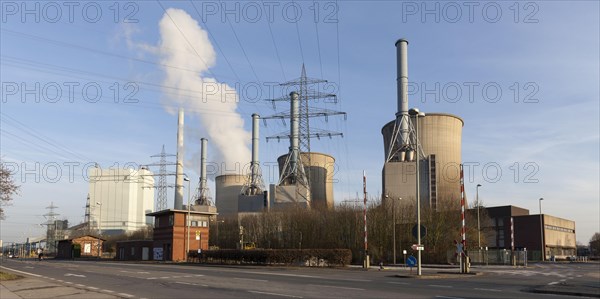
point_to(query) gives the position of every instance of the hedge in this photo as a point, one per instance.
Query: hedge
(303, 257)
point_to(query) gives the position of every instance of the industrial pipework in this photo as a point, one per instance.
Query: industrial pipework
(402, 86)
(254, 164)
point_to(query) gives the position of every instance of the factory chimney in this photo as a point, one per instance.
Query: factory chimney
(254, 164)
(203, 186)
(179, 168)
(294, 132)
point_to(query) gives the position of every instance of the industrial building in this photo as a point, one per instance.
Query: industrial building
(119, 199)
(430, 140)
(513, 228)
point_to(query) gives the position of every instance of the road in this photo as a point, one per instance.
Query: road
(145, 280)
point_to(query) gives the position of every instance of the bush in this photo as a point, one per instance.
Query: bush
(307, 257)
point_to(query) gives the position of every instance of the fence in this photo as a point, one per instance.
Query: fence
(497, 257)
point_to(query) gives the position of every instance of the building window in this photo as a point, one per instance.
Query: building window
(194, 223)
(132, 250)
(171, 220)
(156, 222)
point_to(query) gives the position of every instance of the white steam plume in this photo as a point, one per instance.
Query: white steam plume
(187, 55)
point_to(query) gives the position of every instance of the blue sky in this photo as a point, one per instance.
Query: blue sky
(545, 138)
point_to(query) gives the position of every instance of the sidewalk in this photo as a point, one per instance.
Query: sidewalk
(29, 287)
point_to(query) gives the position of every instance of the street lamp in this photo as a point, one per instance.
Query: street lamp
(415, 112)
(394, 221)
(187, 226)
(543, 248)
(99, 225)
(478, 225)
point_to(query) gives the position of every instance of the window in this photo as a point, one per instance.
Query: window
(132, 250)
(171, 220)
(156, 222)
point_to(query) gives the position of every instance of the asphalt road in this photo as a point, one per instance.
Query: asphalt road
(145, 280)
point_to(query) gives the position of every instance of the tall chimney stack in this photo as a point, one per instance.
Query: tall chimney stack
(402, 84)
(294, 131)
(254, 164)
(179, 169)
(203, 186)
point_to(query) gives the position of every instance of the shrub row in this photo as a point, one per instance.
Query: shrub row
(306, 257)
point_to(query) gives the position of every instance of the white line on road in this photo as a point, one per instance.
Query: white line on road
(165, 277)
(81, 285)
(125, 294)
(186, 283)
(274, 294)
(152, 278)
(490, 290)
(68, 282)
(199, 275)
(22, 272)
(330, 286)
(439, 286)
(92, 288)
(553, 283)
(395, 282)
(251, 279)
(76, 275)
(107, 291)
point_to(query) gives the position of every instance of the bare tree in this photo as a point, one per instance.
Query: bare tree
(8, 188)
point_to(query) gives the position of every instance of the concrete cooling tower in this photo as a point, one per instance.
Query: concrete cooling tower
(320, 171)
(440, 136)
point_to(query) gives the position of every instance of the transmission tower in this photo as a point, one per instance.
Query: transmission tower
(52, 230)
(295, 173)
(161, 187)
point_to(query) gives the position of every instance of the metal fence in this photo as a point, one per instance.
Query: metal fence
(497, 257)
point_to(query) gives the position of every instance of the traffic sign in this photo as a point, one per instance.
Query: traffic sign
(423, 231)
(417, 247)
(411, 261)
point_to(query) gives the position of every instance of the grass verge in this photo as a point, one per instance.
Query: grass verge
(9, 276)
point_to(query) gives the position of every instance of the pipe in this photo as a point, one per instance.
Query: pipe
(203, 150)
(179, 169)
(295, 131)
(402, 88)
(254, 164)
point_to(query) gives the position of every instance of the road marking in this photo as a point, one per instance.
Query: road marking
(143, 272)
(330, 286)
(553, 283)
(490, 290)
(152, 278)
(68, 282)
(439, 286)
(125, 294)
(76, 275)
(283, 274)
(92, 288)
(107, 291)
(199, 275)
(164, 277)
(186, 283)
(394, 282)
(251, 279)
(274, 294)
(22, 272)
(60, 280)
(81, 285)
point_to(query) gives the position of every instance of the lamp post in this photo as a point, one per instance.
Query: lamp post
(187, 225)
(478, 225)
(99, 204)
(543, 248)
(415, 112)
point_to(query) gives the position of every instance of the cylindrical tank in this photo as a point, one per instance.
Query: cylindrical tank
(440, 134)
(228, 188)
(320, 169)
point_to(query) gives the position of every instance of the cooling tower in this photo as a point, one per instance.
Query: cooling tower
(320, 171)
(228, 188)
(440, 135)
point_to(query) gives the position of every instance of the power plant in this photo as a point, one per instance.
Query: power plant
(438, 136)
